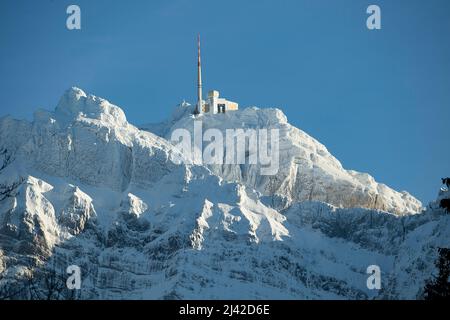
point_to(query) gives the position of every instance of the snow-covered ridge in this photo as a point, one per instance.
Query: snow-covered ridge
(65, 143)
(307, 169)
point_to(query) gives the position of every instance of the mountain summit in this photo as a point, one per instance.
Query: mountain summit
(308, 172)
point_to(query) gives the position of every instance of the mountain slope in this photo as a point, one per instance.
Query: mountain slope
(307, 171)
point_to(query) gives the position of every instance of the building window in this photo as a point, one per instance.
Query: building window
(221, 108)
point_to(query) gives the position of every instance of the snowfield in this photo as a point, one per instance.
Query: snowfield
(82, 186)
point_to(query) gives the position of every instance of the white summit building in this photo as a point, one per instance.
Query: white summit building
(214, 104)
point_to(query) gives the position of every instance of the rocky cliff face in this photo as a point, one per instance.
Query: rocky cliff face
(81, 186)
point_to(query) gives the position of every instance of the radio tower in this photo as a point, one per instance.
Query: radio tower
(199, 108)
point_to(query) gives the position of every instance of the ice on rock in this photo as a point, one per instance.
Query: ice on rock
(133, 205)
(76, 103)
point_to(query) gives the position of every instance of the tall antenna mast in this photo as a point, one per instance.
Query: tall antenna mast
(199, 80)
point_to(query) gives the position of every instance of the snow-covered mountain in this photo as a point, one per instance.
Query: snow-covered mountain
(81, 186)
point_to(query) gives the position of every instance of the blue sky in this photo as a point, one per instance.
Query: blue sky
(379, 100)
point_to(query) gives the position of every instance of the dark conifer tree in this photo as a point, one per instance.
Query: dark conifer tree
(439, 287)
